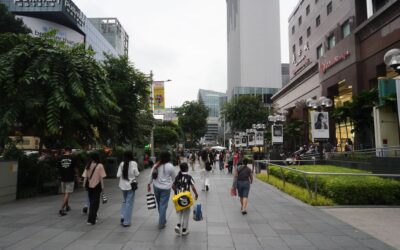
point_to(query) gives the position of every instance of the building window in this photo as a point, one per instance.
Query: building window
(308, 10)
(320, 51)
(318, 21)
(346, 29)
(300, 41)
(300, 20)
(308, 31)
(331, 41)
(294, 49)
(329, 8)
(293, 29)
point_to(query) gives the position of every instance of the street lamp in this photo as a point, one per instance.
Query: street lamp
(152, 156)
(320, 103)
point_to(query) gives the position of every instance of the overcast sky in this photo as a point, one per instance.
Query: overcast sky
(181, 40)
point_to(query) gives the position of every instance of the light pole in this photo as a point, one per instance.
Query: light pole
(152, 156)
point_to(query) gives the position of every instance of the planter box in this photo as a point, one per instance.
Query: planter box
(8, 181)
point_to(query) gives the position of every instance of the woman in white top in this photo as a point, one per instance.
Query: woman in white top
(127, 173)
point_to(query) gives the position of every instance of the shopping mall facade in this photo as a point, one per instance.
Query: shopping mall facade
(337, 50)
(71, 24)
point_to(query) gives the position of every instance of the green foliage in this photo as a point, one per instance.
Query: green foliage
(192, 118)
(8, 22)
(346, 190)
(296, 191)
(165, 136)
(243, 111)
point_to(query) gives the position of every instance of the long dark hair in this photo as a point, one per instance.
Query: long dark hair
(128, 157)
(204, 155)
(93, 157)
(165, 157)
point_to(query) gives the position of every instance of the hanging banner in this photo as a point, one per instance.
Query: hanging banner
(320, 125)
(244, 141)
(158, 96)
(277, 134)
(251, 139)
(237, 141)
(259, 138)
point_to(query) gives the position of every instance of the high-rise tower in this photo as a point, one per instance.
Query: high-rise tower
(254, 52)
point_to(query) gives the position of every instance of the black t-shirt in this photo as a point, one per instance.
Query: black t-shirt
(67, 168)
(183, 182)
(244, 174)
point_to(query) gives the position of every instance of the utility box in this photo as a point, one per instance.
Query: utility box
(8, 181)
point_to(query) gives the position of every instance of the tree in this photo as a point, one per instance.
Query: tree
(192, 118)
(244, 111)
(54, 91)
(8, 22)
(164, 136)
(131, 89)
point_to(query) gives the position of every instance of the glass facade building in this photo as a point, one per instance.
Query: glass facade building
(62, 13)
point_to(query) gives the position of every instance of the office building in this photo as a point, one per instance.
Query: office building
(63, 15)
(254, 60)
(212, 100)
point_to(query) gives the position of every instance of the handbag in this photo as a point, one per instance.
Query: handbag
(104, 198)
(151, 201)
(233, 191)
(88, 179)
(154, 174)
(134, 185)
(182, 200)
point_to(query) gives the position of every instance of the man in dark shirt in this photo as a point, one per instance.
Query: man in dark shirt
(67, 175)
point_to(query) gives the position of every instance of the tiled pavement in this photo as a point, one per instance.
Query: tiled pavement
(274, 221)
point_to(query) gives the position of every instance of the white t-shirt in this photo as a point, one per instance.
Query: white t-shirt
(166, 176)
(133, 172)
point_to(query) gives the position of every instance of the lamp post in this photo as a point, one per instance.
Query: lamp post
(152, 156)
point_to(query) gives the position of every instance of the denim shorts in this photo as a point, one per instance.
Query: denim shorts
(243, 188)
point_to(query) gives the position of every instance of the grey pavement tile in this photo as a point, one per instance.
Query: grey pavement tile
(273, 243)
(248, 247)
(245, 239)
(65, 238)
(137, 246)
(263, 230)
(296, 241)
(145, 236)
(376, 244)
(18, 235)
(115, 238)
(212, 230)
(321, 241)
(220, 241)
(241, 230)
(191, 246)
(94, 235)
(346, 241)
(108, 246)
(82, 244)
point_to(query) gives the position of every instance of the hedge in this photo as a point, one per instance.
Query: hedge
(346, 190)
(295, 191)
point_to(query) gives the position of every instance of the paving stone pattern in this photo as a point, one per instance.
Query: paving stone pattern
(274, 221)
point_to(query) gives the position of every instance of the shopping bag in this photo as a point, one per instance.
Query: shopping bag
(151, 201)
(104, 198)
(197, 214)
(182, 200)
(233, 191)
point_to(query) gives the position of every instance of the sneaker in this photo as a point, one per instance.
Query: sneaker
(161, 226)
(90, 224)
(185, 232)
(122, 221)
(68, 208)
(62, 212)
(127, 225)
(178, 229)
(244, 212)
(85, 210)
(207, 188)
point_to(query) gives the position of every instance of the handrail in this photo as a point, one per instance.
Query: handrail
(316, 174)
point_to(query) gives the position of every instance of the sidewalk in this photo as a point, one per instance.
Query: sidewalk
(274, 221)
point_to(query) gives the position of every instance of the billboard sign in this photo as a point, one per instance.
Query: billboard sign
(251, 139)
(36, 3)
(320, 125)
(277, 134)
(259, 138)
(244, 141)
(158, 96)
(40, 26)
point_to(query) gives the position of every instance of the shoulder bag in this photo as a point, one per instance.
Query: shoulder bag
(88, 179)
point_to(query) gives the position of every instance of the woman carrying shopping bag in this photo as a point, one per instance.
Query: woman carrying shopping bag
(94, 174)
(127, 173)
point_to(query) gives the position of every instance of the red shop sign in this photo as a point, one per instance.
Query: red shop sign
(330, 63)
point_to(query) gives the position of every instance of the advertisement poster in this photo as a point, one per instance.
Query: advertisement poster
(277, 134)
(158, 96)
(259, 138)
(237, 141)
(320, 125)
(244, 141)
(251, 139)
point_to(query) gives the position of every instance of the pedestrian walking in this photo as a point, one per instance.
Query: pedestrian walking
(127, 173)
(68, 172)
(94, 174)
(184, 182)
(221, 160)
(192, 160)
(205, 167)
(230, 162)
(244, 179)
(162, 182)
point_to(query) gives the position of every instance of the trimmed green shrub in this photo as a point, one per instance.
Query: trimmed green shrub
(346, 190)
(296, 191)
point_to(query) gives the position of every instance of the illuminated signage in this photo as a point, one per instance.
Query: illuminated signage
(36, 3)
(323, 67)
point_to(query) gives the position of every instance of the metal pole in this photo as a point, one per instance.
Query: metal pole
(152, 112)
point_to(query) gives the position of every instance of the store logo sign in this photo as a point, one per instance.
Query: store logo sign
(323, 67)
(36, 3)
